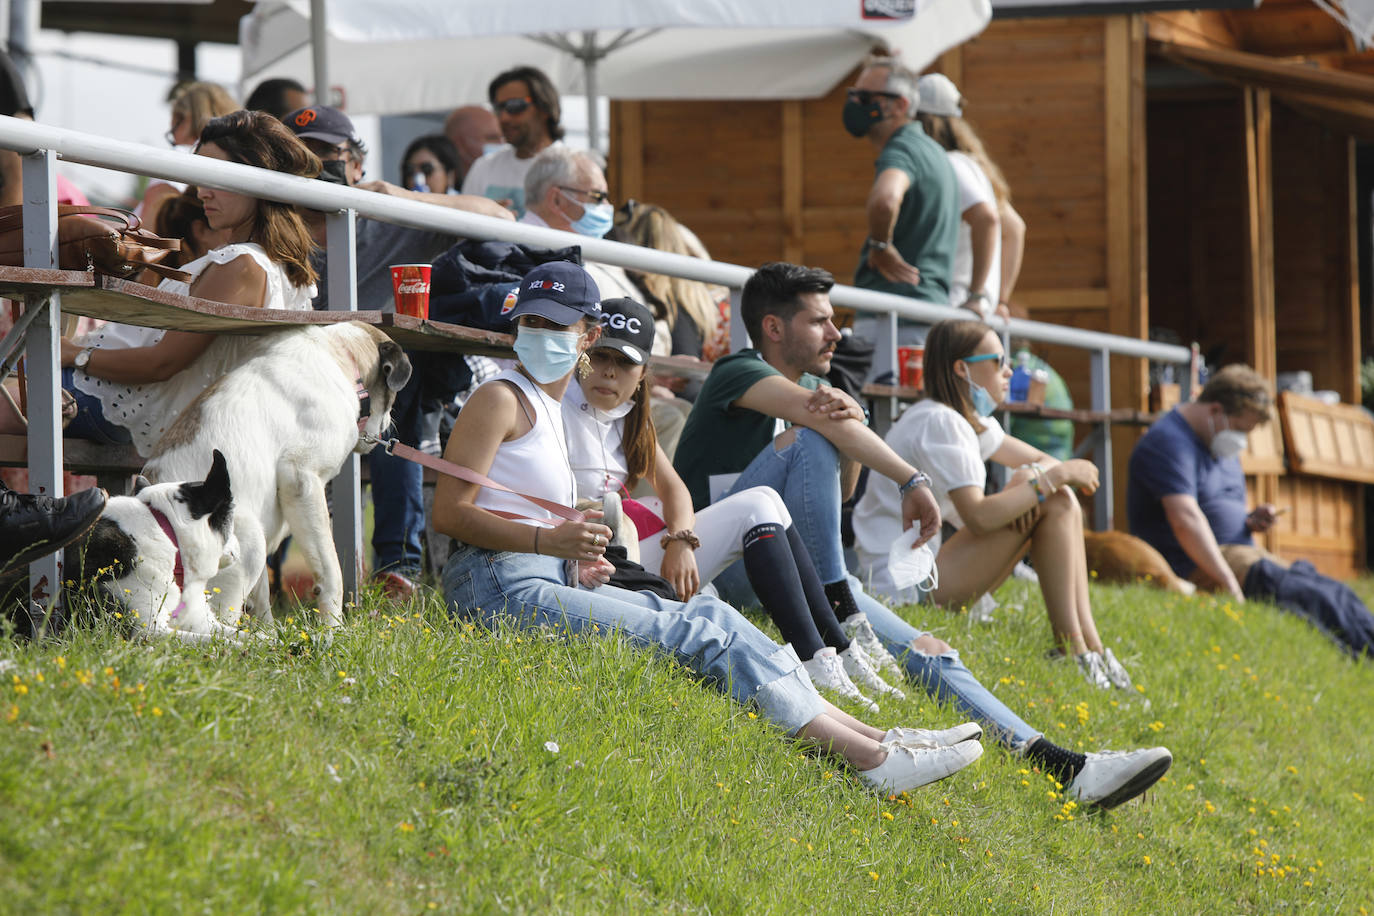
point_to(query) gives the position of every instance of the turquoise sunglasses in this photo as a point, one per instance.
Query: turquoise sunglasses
(1001, 358)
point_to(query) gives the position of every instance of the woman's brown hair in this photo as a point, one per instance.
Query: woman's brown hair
(258, 139)
(651, 226)
(958, 135)
(639, 441)
(947, 343)
(200, 103)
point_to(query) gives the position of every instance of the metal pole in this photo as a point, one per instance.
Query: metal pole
(1100, 372)
(345, 498)
(42, 363)
(589, 65)
(319, 52)
(885, 362)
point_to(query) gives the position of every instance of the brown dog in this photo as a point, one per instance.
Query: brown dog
(1123, 558)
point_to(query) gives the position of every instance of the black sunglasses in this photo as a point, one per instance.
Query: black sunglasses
(513, 106)
(866, 96)
(424, 168)
(597, 197)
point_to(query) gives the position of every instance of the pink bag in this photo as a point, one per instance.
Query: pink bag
(646, 523)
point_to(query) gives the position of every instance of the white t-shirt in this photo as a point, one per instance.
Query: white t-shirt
(974, 188)
(500, 175)
(934, 438)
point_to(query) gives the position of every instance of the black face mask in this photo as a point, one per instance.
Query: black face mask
(334, 171)
(859, 118)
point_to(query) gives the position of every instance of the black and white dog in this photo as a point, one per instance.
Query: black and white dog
(286, 419)
(155, 553)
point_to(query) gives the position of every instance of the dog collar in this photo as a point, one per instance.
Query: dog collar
(178, 573)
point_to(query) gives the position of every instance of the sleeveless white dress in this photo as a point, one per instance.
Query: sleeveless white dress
(147, 410)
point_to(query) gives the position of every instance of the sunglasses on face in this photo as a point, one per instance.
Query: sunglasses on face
(1001, 358)
(513, 106)
(866, 96)
(424, 168)
(596, 197)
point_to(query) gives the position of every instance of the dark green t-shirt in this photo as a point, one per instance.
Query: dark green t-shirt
(927, 229)
(719, 438)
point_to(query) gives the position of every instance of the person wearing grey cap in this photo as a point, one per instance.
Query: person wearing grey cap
(518, 560)
(612, 445)
(993, 235)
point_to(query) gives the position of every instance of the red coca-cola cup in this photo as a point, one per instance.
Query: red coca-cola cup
(911, 363)
(410, 285)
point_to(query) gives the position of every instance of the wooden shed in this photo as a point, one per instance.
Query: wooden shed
(1193, 173)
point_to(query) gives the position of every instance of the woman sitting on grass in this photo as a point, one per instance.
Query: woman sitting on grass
(951, 434)
(516, 560)
(611, 446)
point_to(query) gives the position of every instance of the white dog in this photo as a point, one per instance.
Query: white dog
(155, 553)
(286, 419)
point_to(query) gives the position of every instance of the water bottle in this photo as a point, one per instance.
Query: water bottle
(1020, 377)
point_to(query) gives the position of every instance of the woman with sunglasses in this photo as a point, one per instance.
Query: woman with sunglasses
(612, 446)
(430, 164)
(950, 435)
(517, 561)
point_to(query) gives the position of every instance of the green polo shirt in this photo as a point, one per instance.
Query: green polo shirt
(927, 229)
(721, 438)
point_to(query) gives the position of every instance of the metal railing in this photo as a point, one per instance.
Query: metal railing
(42, 145)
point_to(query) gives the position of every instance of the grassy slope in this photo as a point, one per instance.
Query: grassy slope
(403, 768)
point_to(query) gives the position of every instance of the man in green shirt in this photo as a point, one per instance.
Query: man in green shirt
(913, 207)
(759, 421)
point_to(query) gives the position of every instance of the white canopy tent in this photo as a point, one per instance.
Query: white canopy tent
(427, 55)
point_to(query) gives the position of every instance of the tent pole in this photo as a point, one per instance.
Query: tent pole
(589, 63)
(319, 51)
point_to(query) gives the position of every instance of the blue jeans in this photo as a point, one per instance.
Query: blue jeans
(90, 422)
(704, 634)
(398, 497)
(806, 473)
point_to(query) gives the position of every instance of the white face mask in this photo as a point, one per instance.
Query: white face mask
(1227, 443)
(912, 568)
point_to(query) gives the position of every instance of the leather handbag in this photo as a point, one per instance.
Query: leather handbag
(103, 239)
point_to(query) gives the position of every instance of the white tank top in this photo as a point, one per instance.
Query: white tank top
(536, 463)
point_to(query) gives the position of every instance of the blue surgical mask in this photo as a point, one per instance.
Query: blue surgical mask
(547, 355)
(596, 219)
(489, 148)
(983, 404)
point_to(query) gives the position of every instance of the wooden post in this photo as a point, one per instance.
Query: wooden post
(626, 177)
(1261, 345)
(792, 182)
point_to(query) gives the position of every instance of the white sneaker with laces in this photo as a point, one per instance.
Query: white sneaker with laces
(857, 628)
(827, 672)
(1090, 663)
(1115, 671)
(925, 737)
(860, 670)
(910, 768)
(1112, 777)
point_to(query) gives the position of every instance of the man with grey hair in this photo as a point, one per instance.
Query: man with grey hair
(913, 206)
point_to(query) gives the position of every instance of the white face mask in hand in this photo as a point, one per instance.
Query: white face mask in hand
(912, 568)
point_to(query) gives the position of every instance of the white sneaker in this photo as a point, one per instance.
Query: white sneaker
(925, 737)
(1090, 663)
(857, 627)
(1114, 670)
(860, 670)
(910, 768)
(981, 610)
(827, 672)
(1112, 777)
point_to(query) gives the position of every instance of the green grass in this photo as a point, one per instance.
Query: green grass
(402, 766)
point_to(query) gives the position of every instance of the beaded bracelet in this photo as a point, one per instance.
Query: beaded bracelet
(685, 535)
(1035, 485)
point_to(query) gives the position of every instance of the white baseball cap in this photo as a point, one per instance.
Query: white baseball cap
(939, 96)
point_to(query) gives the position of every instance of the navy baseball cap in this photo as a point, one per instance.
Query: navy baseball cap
(320, 122)
(560, 291)
(627, 327)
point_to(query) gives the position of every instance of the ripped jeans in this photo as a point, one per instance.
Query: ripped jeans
(806, 474)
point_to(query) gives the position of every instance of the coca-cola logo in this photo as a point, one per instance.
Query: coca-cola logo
(412, 286)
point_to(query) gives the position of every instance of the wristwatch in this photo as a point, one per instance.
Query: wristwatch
(876, 245)
(83, 358)
(919, 479)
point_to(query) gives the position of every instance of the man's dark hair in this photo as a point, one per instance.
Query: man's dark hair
(775, 289)
(542, 93)
(270, 96)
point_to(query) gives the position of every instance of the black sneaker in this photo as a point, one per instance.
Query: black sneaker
(35, 526)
